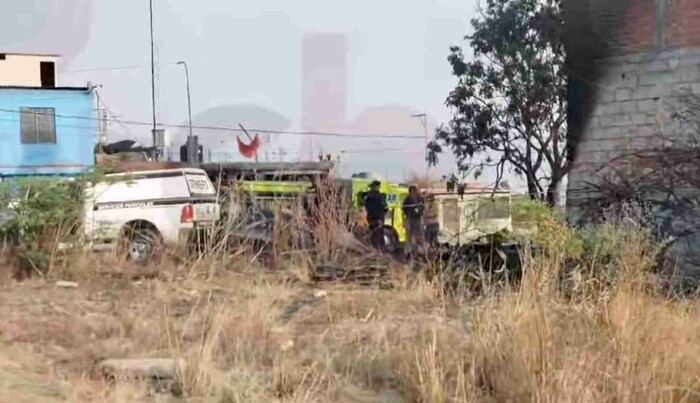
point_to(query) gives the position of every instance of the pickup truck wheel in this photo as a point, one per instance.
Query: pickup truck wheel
(141, 245)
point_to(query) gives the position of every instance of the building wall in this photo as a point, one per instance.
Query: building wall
(654, 54)
(631, 111)
(75, 137)
(23, 70)
(652, 51)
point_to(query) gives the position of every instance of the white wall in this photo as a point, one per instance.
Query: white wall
(23, 70)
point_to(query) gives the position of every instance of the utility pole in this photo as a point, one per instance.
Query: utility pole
(191, 146)
(101, 117)
(424, 121)
(153, 84)
(100, 123)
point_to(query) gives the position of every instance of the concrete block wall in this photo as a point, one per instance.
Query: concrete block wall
(632, 109)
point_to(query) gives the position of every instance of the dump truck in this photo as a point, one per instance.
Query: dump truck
(465, 217)
(271, 186)
(253, 192)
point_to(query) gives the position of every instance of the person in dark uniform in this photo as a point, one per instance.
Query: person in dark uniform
(413, 213)
(376, 208)
(432, 221)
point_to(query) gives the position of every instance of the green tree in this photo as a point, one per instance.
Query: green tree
(509, 105)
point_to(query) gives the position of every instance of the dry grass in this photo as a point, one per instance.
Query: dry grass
(250, 334)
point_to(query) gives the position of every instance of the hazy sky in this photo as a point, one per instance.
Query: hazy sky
(251, 51)
(246, 52)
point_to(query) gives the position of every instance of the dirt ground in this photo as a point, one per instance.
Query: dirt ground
(52, 337)
(246, 333)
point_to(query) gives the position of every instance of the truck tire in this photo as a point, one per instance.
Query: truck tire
(141, 245)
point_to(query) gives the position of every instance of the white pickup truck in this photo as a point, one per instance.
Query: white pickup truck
(142, 210)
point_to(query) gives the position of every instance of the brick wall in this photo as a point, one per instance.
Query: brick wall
(645, 25)
(607, 18)
(684, 23)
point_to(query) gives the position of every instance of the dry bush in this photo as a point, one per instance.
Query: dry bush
(314, 229)
(8, 265)
(236, 335)
(327, 217)
(608, 337)
(539, 344)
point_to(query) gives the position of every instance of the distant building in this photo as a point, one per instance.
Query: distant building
(325, 87)
(45, 129)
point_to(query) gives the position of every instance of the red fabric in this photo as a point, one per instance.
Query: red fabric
(249, 150)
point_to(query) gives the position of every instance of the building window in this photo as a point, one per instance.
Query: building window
(48, 74)
(38, 125)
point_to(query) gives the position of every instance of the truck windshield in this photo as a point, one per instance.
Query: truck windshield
(494, 208)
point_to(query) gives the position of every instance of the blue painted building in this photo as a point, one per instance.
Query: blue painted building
(44, 129)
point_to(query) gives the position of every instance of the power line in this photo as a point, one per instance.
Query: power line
(102, 69)
(114, 117)
(114, 68)
(371, 151)
(345, 152)
(57, 125)
(238, 130)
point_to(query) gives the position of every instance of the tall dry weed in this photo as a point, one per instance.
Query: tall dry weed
(586, 323)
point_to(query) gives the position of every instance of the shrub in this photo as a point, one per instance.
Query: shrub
(37, 215)
(613, 253)
(526, 210)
